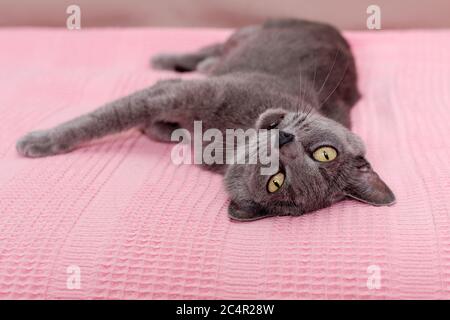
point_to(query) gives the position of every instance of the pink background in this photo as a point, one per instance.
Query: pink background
(140, 227)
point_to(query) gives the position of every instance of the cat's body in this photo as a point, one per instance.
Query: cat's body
(289, 58)
(300, 74)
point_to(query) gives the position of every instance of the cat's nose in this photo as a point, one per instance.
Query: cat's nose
(284, 138)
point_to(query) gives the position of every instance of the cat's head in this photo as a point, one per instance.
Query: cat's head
(320, 162)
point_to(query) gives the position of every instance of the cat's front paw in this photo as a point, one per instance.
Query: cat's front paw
(36, 144)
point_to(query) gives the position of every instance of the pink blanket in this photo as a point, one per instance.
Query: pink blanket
(118, 220)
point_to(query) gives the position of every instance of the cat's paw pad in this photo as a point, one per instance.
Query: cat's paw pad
(36, 144)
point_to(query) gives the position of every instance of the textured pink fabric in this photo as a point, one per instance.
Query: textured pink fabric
(138, 226)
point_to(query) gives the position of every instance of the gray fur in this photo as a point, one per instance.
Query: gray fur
(299, 73)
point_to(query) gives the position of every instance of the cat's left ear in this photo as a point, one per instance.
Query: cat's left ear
(246, 210)
(366, 186)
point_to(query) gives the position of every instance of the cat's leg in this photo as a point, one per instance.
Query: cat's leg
(205, 59)
(168, 101)
(187, 62)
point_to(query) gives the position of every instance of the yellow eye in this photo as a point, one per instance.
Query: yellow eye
(325, 154)
(275, 182)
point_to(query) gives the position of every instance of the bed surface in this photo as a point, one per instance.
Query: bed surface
(137, 226)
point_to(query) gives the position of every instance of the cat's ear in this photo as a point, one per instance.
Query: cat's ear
(270, 117)
(367, 186)
(246, 210)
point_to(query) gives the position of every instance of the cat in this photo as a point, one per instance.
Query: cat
(296, 76)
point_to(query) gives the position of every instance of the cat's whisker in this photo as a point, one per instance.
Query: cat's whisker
(315, 72)
(337, 85)
(300, 88)
(329, 73)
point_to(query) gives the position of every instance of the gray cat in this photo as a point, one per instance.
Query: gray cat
(293, 75)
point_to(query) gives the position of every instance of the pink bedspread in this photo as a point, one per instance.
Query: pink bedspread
(136, 226)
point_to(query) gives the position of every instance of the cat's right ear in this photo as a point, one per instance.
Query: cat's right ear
(270, 118)
(367, 186)
(246, 210)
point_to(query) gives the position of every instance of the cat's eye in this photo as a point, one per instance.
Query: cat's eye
(275, 182)
(325, 154)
